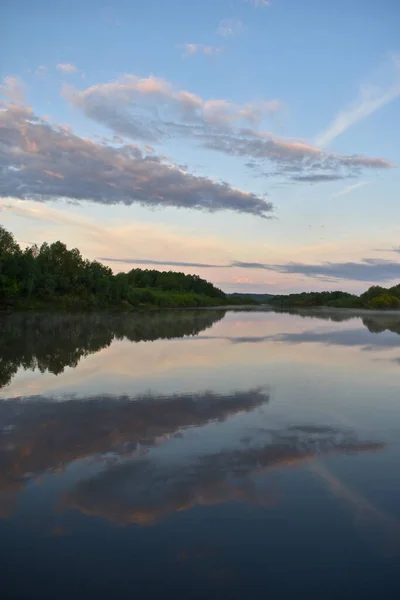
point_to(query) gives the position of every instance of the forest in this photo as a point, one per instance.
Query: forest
(52, 276)
(375, 298)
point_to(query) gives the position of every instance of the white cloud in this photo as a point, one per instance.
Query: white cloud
(41, 70)
(260, 3)
(67, 68)
(349, 188)
(45, 162)
(110, 102)
(153, 109)
(371, 99)
(230, 27)
(12, 89)
(191, 49)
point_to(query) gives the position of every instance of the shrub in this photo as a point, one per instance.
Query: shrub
(385, 302)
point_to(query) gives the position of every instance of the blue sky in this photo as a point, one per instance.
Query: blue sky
(257, 138)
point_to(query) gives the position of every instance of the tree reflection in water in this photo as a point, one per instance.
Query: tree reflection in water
(53, 342)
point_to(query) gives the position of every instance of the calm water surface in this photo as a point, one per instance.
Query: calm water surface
(203, 454)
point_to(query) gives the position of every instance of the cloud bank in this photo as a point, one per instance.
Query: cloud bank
(40, 161)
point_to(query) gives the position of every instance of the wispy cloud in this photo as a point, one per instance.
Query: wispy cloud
(294, 160)
(164, 263)
(260, 3)
(191, 49)
(349, 188)
(230, 27)
(368, 269)
(113, 104)
(397, 250)
(41, 71)
(67, 68)
(371, 98)
(12, 89)
(151, 109)
(318, 177)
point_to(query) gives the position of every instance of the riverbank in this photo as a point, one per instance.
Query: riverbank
(317, 310)
(342, 311)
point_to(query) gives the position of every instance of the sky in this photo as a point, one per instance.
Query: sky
(254, 143)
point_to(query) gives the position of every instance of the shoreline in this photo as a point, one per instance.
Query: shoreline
(231, 307)
(345, 311)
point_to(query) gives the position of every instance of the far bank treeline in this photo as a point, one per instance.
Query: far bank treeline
(375, 297)
(54, 276)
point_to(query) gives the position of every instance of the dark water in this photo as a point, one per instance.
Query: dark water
(200, 454)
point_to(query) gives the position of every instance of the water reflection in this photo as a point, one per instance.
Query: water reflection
(147, 490)
(268, 441)
(380, 323)
(374, 322)
(365, 512)
(51, 343)
(350, 337)
(357, 336)
(41, 435)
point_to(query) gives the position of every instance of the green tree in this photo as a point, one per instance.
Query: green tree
(384, 302)
(53, 275)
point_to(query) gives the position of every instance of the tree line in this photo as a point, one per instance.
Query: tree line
(53, 275)
(376, 297)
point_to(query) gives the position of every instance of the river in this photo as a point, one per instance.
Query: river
(200, 454)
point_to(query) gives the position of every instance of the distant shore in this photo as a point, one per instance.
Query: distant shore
(338, 311)
(219, 307)
(311, 309)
